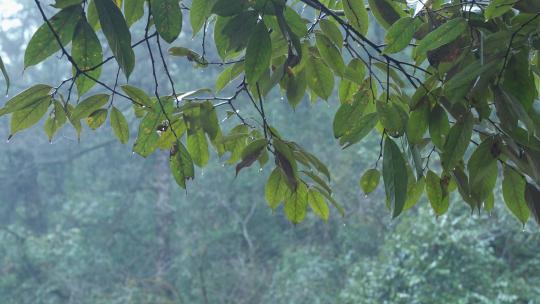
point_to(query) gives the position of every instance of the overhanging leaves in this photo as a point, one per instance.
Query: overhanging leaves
(394, 176)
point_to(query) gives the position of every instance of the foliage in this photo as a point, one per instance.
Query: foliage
(459, 86)
(458, 265)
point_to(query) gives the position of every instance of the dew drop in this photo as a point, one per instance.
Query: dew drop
(365, 196)
(7, 141)
(260, 169)
(7, 95)
(144, 107)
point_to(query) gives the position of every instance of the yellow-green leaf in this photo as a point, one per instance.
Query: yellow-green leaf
(370, 180)
(119, 125)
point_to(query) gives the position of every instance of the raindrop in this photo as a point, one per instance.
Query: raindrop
(144, 107)
(202, 173)
(7, 141)
(365, 195)
(260, 169)
(7, 95)
(344, 225)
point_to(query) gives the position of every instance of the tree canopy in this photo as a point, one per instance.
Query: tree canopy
(452, 91)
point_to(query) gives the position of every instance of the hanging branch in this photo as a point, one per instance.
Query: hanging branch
(78, 70)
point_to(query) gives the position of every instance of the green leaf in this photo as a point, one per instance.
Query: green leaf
(296, 204)
(258, 53)
(318, 204)
(458, 86)
(394, 176)
(320, 78)
(26, 98)
(96, 119)
(417, 124)
(92, 16)
(481, 161)
(513, 188)
(414, 192)
(209, 120)
(55, 121)
(518, 79)
(356, 13)
(168, 18)
(386, 11)
(251, 153)
(355, 71)
(332, 31)
(296, 88)
(497, 8)
(438, 126)
(167, 138)
(65, 3)
(516, 108)
(228, 75)
(5, 74)
(391, 118)
(229, 7)
(400, 34)
(147, 138)
(74, 122)
(133, 10)
(138, 95)
(199, 11)
(89, 105)
(287, 162)
(370, 180)
(346, 91)
(295, 22)
(457, 142)
(181, 164)
(347, 116)
(437, 197)
(230, 33)
(330, 54)
(197, 146)
(43, 43)
(87, 53)
(361, 128)
(119, 125)
(532, 196)
(191, 55)
(117, 33)
(442, 35)
(29, 116)
(276, 189)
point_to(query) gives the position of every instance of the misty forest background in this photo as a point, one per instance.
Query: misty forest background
(89, 222)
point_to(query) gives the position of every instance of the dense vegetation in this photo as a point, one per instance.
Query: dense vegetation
(85, 221)
(451, 114)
